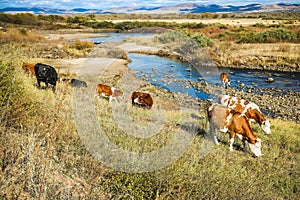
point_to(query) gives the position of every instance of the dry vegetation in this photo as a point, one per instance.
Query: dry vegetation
(43, 157)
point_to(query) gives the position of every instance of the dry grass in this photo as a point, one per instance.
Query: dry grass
(43, 157)
(78, 47)
(279, 55)
(20, 35)
(227, 21)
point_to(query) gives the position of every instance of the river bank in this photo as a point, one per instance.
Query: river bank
(273, 104)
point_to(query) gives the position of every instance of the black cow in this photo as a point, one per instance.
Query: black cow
(78, 83)
(45, 73)
(74, 82)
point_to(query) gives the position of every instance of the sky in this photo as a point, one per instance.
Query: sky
(106, 4)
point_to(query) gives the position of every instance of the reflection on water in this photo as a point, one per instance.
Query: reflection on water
(175, 76)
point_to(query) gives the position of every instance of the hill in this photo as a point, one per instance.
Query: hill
(178, 8)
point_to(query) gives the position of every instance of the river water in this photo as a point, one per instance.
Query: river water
(174, 76)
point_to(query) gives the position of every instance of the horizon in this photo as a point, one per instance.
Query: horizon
(108, 4)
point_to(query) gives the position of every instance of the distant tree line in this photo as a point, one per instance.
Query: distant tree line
(261, 33)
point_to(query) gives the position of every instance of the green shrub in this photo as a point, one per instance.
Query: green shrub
(20, 18)
(278, 35)
(259, 25)
(13, 107)
(171, 36)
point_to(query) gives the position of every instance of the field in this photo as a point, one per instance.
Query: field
(49, 152)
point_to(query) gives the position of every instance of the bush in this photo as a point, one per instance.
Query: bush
(20, 18)
(171, 36)
(278, 35)
(13, 107)
(19, 35)
(82, 45)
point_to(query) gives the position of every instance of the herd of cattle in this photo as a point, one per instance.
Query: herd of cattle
(48, 75)
(230, 114)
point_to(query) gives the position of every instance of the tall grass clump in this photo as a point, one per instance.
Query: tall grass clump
(272, 36)
(40, 151)
(11, 88)
(78, 47)
(174, 36)
(19, 35)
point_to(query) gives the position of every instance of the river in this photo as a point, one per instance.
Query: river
(175, 76)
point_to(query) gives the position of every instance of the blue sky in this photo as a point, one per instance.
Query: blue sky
(105, 4)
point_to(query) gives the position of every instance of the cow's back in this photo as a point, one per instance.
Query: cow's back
(142, 99)
(217, 115)
(104, 90)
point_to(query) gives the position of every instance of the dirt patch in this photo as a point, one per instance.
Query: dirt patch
(72, 36)
(82, 66)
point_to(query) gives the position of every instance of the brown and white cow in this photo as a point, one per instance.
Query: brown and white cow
(222, 119)
(225, 79)
(250, 109)
(28, 69)
(142, 99)
(108, 91)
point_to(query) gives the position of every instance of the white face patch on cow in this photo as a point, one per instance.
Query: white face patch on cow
(136, 100)
(256, 148)
(266, 127)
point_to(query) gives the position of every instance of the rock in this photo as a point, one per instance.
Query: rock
(269, 80)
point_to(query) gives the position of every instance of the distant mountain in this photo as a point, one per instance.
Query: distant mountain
(179, 8)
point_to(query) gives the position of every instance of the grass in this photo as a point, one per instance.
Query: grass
(278, 56)
(43, 157)
(19, 35)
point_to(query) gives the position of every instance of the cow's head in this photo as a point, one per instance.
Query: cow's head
(266, 126)
(256, 148)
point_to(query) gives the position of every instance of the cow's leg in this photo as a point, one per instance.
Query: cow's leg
(245, 147)
(231, 140)
(53, 88)
(110, 98)
(244, 141)
(39, 83)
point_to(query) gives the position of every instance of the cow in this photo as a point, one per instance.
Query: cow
(250, 109)
(74, 82)
(47, 74)
(237, 124)
(108, 91)
(142, 99)
(28, 69)
(225, 79)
